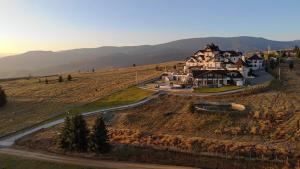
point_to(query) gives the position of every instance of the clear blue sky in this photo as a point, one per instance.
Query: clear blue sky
(65, 24)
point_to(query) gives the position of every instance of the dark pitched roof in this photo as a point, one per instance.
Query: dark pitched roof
(237, 74)
(228, 73)
(199, 73)
(198, 51)
(255, 57)
(212, 47)
(232, 53)
(188, 58)
(241, 63)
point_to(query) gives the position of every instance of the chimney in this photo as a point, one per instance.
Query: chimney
(243, 58)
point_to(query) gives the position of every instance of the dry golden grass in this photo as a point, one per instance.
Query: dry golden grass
(270, 125)
(133, 145)
(30, 102)
(271, 120)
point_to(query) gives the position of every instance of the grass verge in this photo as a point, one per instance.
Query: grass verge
(13, 162)
(120, 98)
(217, 89)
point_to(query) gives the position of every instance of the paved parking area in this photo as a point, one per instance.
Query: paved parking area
(262, 77)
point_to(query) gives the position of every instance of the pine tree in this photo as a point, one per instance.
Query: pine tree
(3, 100)
(60, 79)
(272, 64)
(156, 68)
(69, 77)
(192, 108)
(65, 139)
(79, 134)
(291, 65)
(99, 141)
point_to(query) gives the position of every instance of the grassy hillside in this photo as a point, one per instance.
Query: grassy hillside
(47, 62)
(273, 117)
(31, 101)
(123, 97)
(268, 130)
(216, 90)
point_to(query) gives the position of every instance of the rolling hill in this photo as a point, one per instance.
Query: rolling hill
(48, 62)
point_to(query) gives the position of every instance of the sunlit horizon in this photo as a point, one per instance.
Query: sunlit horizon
(69, 24)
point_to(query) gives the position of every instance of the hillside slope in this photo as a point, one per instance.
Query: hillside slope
(47, 62)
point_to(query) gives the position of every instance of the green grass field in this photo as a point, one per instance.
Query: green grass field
(13, 162)
(123, 97)
(217, 89)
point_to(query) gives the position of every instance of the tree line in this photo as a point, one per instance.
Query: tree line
(60, 79)
(75, 136)
(297, 51)
(3, 99)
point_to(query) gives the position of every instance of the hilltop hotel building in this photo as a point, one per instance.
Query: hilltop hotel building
(213, 67)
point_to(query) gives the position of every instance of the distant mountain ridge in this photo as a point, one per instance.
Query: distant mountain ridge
(48, 62)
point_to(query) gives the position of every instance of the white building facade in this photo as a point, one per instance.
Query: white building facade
(214, 67)
(255, 62)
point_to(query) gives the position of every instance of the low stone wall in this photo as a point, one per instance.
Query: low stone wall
(219, 107)
(238, 107)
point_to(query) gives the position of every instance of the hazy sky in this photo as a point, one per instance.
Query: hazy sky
(65, 24)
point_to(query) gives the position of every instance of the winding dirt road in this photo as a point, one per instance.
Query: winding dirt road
(103, 164)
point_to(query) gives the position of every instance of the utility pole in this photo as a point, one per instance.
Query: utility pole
(279, 73)
(136, 77)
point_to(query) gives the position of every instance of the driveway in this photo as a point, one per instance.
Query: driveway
(103, 164)
(261, 78)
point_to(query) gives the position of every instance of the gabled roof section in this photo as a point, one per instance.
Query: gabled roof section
(232, 53)
(241, 63)
(202, 51)
(209, 47)
(191, 58)
(212, 47)
(255, 57)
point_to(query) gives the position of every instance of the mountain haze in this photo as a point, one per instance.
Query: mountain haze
(48, 62)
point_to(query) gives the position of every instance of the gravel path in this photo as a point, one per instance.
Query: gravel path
(105, 164)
